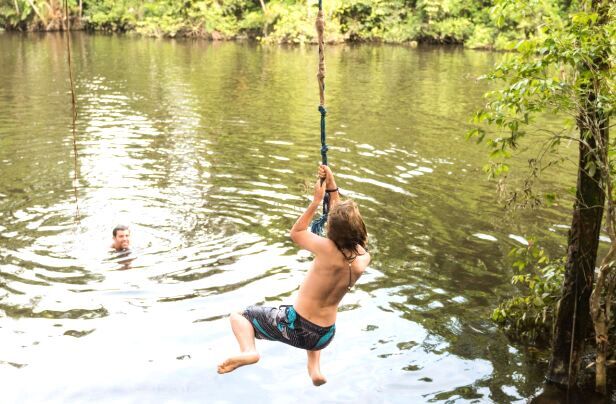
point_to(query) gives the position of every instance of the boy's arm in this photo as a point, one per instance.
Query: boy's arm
(299, 232)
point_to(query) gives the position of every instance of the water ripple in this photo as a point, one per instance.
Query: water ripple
(209, 152)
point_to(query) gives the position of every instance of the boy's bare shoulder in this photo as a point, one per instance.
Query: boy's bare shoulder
(363, 253)
(331, 246)
(364, 260)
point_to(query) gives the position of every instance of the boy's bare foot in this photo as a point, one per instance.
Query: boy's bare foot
(317, 378)
(234, 362)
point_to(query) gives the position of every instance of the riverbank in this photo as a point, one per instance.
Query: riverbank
(463, 22)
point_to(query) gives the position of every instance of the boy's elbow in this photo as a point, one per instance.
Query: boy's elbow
(296, 235)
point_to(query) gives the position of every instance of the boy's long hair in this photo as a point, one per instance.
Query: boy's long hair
(346, 228)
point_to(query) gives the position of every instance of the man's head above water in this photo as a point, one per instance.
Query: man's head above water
(121, 238)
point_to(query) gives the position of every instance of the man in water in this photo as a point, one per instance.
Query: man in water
(339, 260)
(121, 238)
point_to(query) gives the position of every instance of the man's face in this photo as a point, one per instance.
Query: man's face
(121, 241)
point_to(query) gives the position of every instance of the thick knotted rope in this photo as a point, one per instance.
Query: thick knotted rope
(318, 225)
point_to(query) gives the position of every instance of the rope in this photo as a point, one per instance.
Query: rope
(318, 225)
(73, 103)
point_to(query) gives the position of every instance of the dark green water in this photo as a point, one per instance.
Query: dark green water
(205, 150)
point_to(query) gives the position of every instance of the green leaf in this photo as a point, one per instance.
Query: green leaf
(579, 18)
(520, 265)
(524, 46)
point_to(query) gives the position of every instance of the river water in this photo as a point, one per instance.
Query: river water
(206, 151)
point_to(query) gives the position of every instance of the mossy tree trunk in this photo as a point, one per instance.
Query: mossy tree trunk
(573, 319)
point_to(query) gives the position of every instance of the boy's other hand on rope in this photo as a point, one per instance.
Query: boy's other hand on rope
(326, 173)
(319, 191)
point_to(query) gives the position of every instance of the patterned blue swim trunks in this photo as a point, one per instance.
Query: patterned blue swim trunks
(285, 325)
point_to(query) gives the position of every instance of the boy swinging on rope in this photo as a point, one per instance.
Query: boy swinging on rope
(339, 260)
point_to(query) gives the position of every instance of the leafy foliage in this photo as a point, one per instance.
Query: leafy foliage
(111, 16)
(528, 317)
(552, 71)
(14, 16)
(473, 23)
(33, 14)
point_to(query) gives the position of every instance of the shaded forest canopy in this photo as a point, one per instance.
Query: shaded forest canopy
(476, 24)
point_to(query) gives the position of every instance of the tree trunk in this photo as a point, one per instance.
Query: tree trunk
(601, 319)
(573, 317)
(262, 2)
(38, 13)
(600, 311)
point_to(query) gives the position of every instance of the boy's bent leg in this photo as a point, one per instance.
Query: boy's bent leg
(245, 335)
(314, 368)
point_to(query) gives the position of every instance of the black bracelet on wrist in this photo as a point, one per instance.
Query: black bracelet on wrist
(332, 190)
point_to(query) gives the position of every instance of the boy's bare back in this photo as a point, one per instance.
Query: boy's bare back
(327, 281)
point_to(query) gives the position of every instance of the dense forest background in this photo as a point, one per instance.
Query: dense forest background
(475, 24)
